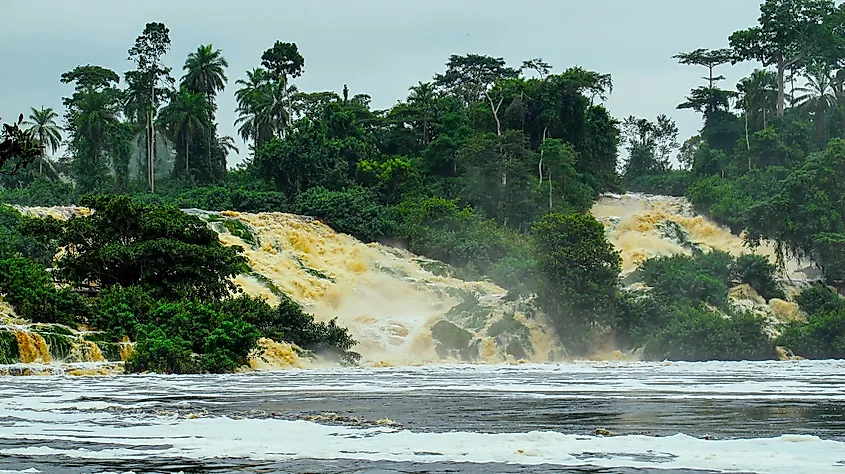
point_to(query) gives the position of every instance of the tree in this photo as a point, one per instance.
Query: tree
(96, 118)
(758, 97)
(649, 144)
(470, 77)
(186, 116)
(42, 124)
(579, 272)
(147, 53)
(710, 59)
(283, 61)
(789, 32)
(262, 112)
(817, 97)
(542, 68)
(169, 253)
(423, 98)
(205, 72)
(18, 148)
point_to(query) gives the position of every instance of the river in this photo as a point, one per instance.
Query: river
(768, 417)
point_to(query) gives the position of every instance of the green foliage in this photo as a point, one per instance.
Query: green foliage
(14, 243)
(703, 277)
(821, 337)
(156, 351)
(820, 299)
(355, 211)
(168, 252)
(696, 334)
(9, 348)
(28, 287)
(670, 183)
(579, 271)
(326, 339)
(757, 271)
(119, 311)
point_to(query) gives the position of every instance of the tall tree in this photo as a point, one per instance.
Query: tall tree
(262, 109)
(423, 98)
(42, 124)
(650, 144)
(709, 58)
(147, 54)
(284, 62)
(205, 73)
(470, 77)
(789, 31)
(817, 97)
(186, 116)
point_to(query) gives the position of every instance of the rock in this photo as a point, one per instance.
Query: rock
(786, 354)
(745, 292)
(784, 311)
(603, 432)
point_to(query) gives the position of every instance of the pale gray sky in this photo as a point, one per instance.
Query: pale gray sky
(379, 47)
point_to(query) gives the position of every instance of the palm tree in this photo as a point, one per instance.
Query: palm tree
(185, 115)
(97, 113)
(422, 96)
(759, 97)
(225, 146)
(262, 112)
(817, 96)
(206, 74)
(206, 71)
(42, 124)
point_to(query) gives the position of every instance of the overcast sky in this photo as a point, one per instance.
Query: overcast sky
(378, 47)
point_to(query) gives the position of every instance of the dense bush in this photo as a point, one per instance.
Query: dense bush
(757, 271)
(355, 211)
(822, 336)
(697, 334)
(702, 277)
(168, 252)
(13, 243)
(579, 276)
(27, 286)
(670, 183)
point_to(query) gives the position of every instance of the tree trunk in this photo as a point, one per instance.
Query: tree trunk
(747, 140)
(540, 167)
(187, 155)
(495, 109)
(781, 95)
(550, 191)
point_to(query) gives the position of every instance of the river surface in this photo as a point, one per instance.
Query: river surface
(769, 417)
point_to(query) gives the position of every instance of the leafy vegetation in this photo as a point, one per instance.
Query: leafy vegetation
(487, 167)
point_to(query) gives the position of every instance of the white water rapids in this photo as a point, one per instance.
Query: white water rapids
(777, 417)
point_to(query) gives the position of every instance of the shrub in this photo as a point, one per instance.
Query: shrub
(757, 271)
(821, 337)
(702, 277)
(697, 334)
(28, 287)
(355, 211)
(820, 299)
(157, 351)
(118, 311)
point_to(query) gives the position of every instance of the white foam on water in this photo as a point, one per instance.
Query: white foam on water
(277, 440)
(63, 412)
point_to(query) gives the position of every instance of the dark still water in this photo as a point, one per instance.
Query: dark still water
(771, 417)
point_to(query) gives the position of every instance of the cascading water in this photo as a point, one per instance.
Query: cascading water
(402, 309)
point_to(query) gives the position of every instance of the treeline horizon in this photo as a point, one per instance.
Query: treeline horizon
(493, 171)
